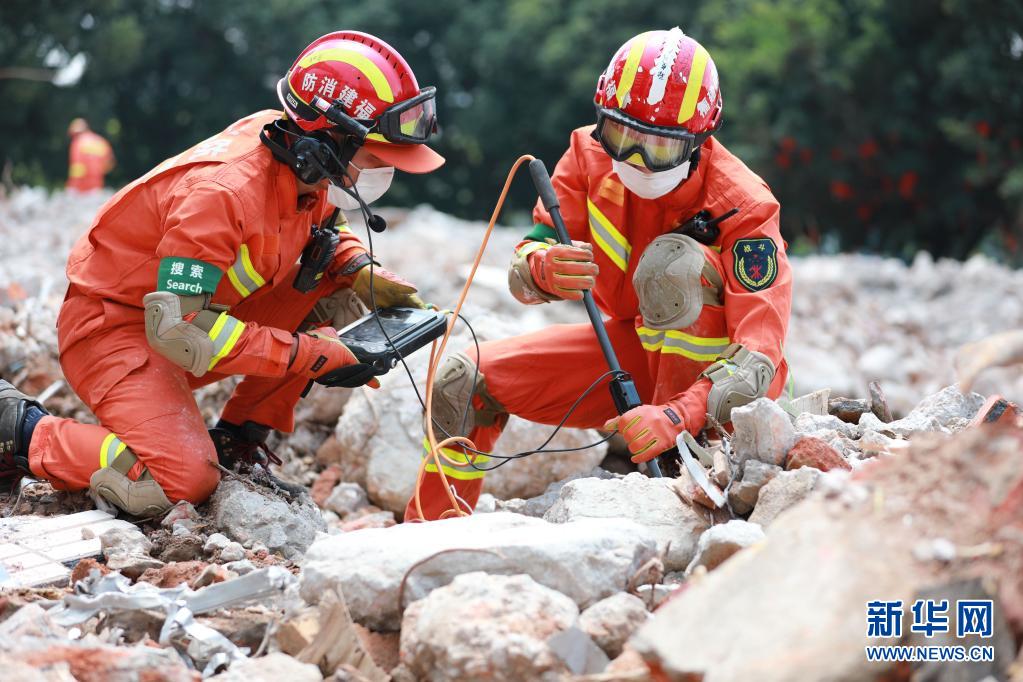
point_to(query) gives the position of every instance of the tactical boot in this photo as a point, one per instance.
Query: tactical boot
(244, 449)
(14, 406)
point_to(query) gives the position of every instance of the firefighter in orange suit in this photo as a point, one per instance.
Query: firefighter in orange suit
(698, 319)
(188, 276)
(90, 158)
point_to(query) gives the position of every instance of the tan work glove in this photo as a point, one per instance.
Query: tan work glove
(564, 271)
(388, 289)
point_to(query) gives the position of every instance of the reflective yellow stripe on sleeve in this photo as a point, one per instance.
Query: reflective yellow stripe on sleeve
(612, 242)
(243, 275)
(530, 247)
(112, 447)
(224, 334)
(462, 472)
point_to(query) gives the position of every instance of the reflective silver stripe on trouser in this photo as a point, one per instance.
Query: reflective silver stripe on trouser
(697, 348)
(112, 447)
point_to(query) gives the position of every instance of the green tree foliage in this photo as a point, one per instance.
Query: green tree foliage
(894, 125)
(888, 126)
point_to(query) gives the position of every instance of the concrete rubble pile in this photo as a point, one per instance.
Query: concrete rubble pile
(755, 562)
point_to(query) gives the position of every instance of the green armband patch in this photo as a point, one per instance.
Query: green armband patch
(541, 233)
(187, 276)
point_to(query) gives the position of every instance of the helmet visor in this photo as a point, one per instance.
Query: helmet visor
(656, 149)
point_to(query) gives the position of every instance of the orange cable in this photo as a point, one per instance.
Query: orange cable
(436, 453)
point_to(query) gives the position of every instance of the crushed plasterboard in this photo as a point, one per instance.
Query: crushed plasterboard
(36, 551)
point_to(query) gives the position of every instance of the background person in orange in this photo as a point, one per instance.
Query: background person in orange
(188, 275)
(700, 326)
(90, 158)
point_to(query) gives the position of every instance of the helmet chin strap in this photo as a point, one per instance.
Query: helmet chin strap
(694, 161)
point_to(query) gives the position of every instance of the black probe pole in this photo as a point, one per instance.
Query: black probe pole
(623, 389)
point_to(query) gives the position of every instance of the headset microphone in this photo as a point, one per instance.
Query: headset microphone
(376, 223)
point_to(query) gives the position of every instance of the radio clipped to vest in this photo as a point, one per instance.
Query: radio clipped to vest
(703, 228)
(318, 254)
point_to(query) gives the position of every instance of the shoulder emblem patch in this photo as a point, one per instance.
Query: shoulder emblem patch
(756, 263)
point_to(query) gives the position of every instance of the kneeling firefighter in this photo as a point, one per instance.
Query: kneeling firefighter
(679, 242)
(192, 273)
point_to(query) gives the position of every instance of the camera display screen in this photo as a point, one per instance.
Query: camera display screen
(395, 322)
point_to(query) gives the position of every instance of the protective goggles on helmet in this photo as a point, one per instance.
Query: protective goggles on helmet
(412, 121)
(624, 138)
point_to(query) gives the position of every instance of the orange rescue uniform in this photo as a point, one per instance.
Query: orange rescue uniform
(538, 376)
(90, 159)
(222, 214)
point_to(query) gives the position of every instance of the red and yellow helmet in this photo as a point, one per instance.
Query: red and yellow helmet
(660, 84)
(370, 82)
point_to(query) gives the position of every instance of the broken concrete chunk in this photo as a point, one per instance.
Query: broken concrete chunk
(722, 541)
(610, 622)
(183, 511)
(272, 667)
(849, 410)
(538, 506)
(31, 620)
(711, 632)
(721, 473)
(824, 426)
(380, 519)
(368, 566)
(873, 443)
(695, 635)
(578, 652)
(485, 504)
(879, 402)
(346, 498)
(241, 567)
(232, 551)
(88, 659)
(214, 542)
(763, 431)
(743, 493)
(179, 547)
(649, 502)
(484, 626)
(783, 491)
(127, 550)
(246, 514)
(945, 411)
(324, 483)
(815, 453)
(124, 541)
(946, 407)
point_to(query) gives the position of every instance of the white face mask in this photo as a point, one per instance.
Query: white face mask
(650, 185)
(371, 185)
